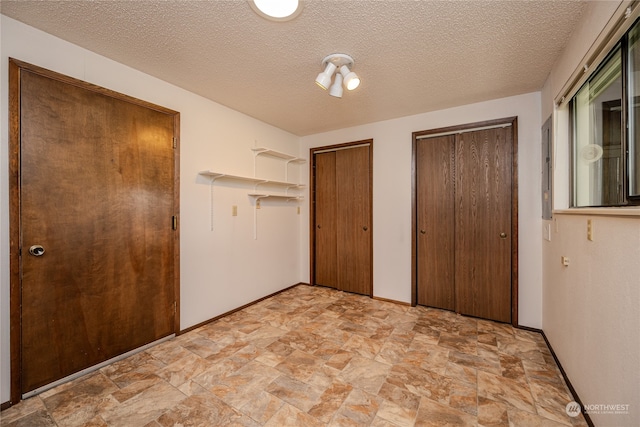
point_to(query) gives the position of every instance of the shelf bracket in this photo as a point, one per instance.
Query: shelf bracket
(286, 191)
(257, 184)
(286, 169)
(213, 179)
(256, 198)
(256, 153)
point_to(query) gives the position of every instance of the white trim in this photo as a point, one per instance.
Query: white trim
(619, 24)
(459, 131)
(329, 150)
(619, 211)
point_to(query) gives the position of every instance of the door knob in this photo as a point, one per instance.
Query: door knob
(503, 235)
(36, 250)
(423, 231)
(365, 228)
(319, 226)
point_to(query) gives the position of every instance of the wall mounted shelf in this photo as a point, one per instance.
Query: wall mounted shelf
(273, 153)
(219, 175)
(288, 158)
(257, 182)
(276, 196)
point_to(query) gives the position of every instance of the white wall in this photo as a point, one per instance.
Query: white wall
(392, 195)
(221, 269)
(591, 315)
(590, 308)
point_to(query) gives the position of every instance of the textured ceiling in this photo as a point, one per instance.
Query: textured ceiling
(412, 56)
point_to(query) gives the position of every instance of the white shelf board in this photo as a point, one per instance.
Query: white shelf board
(278, 154)
(220, 175)
(274, 196)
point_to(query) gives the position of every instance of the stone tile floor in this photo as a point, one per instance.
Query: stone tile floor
(313, 356)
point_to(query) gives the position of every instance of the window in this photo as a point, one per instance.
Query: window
(634, 111)
(605, 117)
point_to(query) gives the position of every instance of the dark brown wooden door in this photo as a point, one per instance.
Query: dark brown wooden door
(97, 193)
(483, 223)
(353, 220)
(464, 210)
(435, 204)
(342, 257)
(326, 268)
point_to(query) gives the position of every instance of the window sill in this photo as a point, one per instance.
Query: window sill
(626, 211)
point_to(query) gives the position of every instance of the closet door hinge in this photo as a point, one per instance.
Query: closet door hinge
(175, 142)
(174, 222)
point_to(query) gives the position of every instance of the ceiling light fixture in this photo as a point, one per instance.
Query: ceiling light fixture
(277, 10)
(351, 79)
(324, 78)
(346, 77)
(336, 87)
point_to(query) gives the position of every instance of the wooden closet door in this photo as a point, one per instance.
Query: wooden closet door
(435, 204)
(483, 223)
(326, 268)
(353, 219)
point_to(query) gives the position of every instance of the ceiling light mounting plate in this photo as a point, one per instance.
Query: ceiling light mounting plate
(338, 59)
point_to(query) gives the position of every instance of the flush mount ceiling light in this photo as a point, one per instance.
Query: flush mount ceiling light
(344, 76)
(277, 10)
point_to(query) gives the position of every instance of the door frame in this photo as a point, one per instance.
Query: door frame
(312, 201)
(508, 121)
(15, 299)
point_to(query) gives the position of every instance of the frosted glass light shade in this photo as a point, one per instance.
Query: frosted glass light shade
(277, 10)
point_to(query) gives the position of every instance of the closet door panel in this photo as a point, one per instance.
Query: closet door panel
(326, 269)
(353, 220)
(483, 223)
(435, 168)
